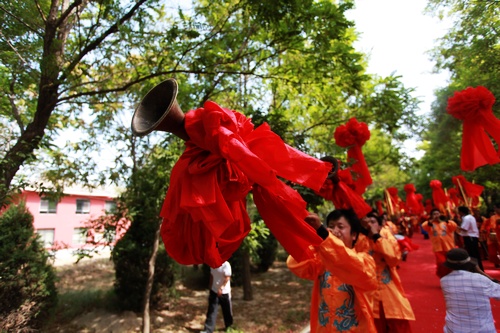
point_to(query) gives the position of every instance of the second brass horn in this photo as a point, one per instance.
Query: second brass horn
(159, 111)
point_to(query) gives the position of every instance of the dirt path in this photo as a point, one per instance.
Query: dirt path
(280, 304)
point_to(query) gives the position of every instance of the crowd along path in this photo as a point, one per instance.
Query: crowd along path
(418, 274)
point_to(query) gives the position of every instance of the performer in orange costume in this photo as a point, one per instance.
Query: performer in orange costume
(442, 239)
(391, 308)
(491, 227)
(342, 277)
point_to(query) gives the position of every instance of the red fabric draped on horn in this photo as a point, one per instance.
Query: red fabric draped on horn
(411, 199)
(474, 107)
(396, 201)
(438, 195)
(353, 135)
(340, 192)
(472, 191)
(454, 197)
(204, 212)
(420, 199)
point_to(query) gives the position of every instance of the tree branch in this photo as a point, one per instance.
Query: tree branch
(42, 15)
(15, 110)
(20, 21)
(94, 44)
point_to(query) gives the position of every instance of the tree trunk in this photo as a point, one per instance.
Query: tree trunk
(247, 279)
(146, 321)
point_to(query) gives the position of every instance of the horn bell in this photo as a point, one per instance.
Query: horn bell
(159, 111)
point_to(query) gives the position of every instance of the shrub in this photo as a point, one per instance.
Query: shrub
(131, 259)
(267, 252)
(27, 280)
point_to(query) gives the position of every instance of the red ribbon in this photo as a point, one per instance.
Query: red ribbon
(420, 199)
(353, 135)
(438, 195)
(471, 190)
(454, 198)
(474, 107)
(342, 195)
(204, 212)
(411, 199)
(395, 199)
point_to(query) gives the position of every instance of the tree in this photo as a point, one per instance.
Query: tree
(68, 66)
(470, 51)
(49, 49)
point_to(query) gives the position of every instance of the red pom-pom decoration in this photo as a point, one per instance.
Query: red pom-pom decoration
(474, 107)
(353, 135)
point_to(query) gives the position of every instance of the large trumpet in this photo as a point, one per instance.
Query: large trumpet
(159, 111)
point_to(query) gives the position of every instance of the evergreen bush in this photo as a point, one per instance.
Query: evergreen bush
(27, 280)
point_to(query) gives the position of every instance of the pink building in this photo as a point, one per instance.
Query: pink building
(63, 223)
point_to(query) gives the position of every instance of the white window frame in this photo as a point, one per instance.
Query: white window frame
(47, 241)
(79, 236)
(109, 207)
(45, 206)
(85, 209)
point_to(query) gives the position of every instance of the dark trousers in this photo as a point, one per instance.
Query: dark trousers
(227, 310)
(471, 244)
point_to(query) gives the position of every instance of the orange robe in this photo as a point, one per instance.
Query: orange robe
(343, 279)
(490, 229)
(443, 240)
(390, 292)
(441, 235)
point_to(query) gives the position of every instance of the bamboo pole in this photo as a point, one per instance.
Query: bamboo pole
(464, 195)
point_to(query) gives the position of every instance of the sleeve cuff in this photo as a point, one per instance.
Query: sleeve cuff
(322, 232)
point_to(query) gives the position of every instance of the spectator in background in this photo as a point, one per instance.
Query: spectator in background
(467, 292)
(220, 293)
(470, 234)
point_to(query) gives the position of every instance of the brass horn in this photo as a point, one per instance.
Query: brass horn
(333, 174)
(159, 111)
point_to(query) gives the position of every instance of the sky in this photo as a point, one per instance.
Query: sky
(397, 36)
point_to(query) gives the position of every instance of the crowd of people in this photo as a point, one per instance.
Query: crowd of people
(356, 283)
(354, 292)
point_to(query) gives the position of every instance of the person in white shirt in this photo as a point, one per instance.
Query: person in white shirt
(467, 292)
(220, 293)
(470, 234)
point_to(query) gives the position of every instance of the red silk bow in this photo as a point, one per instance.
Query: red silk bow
(353, 135)
(474, 107)
(204, 212)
